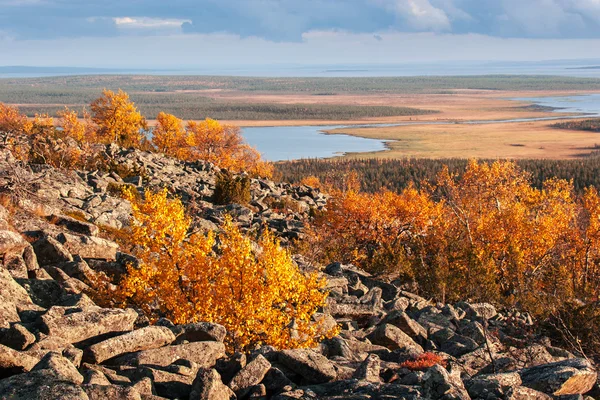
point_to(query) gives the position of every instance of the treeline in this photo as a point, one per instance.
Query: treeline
(396, 175)
(190, 107)
(592, 125)
(419, 84)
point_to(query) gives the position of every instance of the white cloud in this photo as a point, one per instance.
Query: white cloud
(418, 14)
(162, 25)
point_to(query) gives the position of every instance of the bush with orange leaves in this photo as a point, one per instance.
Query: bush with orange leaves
(488, 236)
(208, 140)
(424, 361)
(260, 296)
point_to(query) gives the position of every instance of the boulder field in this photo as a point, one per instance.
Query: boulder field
(56, 343)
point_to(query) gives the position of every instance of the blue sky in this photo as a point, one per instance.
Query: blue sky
(169, 33)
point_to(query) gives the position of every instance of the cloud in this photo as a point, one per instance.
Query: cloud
(289, 20)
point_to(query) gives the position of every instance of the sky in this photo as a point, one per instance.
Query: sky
(202, 33)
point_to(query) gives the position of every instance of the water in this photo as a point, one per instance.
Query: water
(279, 143)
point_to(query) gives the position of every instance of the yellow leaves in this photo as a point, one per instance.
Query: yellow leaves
(256, 294)
(118, 119)
(170, 137)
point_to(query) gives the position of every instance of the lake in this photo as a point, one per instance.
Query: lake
(280, 143)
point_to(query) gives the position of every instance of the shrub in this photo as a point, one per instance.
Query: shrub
(424, 361)
(261, 297)
(232, 189)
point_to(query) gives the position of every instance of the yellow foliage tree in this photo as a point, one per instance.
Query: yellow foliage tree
(12, 121)
(118, 119)
(169, 136)
(261, 297)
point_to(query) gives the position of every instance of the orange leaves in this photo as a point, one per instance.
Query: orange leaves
(260, 296)
(424, 361)
(487, 236)
(12, 121)
(224, 146)
(118, 119)
(170, 137)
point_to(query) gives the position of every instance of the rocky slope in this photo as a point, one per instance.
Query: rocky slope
(55, 343)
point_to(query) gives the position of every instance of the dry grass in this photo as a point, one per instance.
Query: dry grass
(501, 140)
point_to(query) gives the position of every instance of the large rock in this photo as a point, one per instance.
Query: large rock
(89, 246)
(74, 225)
(252, 374)
(17, 337)
(13, 362)
(208, 386)
(199, 332)
(311, 366)
(394, 338)
(11, 242)
(205, 354)
(369, 369)
(573, 376)
(40, 385)
(77, 325)
(61, 368)
(101, 392)
(440, 384)
(409, 326)
(11, 291)
(150, 337)
(49, 251)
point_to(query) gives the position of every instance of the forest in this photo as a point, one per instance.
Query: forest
(592, 125)
(397, 175)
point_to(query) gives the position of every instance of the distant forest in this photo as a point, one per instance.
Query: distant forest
(396, 175)
(592, 125)
(193, 97)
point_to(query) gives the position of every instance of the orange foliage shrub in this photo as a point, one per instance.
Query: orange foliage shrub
(12, 121)
(261, 297)
(488, 236)
(424, 361)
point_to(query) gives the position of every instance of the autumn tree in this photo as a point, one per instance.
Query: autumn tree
(118, 119)
(261, 297)
(170, 137)
(224, 146)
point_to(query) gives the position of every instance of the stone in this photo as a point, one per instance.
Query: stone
(525, 393)
(572, 376)
(13, 362)
(170, 384)
(409, 326)
(493, 385)
(74, 225)
(199, 332)
(252, 374)
(49, 251)
(39, 385)
(205, 354)
(93, 377)
(394, 338)
(369, 369)
(11, 242)
(275, 380)
(17, 337)
(60, 367)
(208, 386)
(311, 366)
(78, 325)
(150, 337)
(11, 291)
(103, 392)
(8, 314)
(89, 246)
(439, 383)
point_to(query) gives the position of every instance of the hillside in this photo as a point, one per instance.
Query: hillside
(57, 343)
